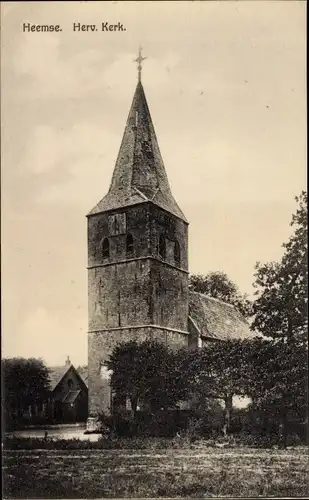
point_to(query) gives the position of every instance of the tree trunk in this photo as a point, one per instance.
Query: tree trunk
(228, 412)
(283, 431)
(134, 406)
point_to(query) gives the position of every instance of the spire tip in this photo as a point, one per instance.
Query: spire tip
(139, 61)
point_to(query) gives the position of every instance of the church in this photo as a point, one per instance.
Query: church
(138, 276)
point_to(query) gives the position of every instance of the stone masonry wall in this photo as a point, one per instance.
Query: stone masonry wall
(133, 290)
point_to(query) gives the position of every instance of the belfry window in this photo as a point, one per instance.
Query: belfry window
(162, 247)
(105, 248)
(177, 253)
(129, 244)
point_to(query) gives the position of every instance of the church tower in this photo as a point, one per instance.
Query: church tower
(137, 255)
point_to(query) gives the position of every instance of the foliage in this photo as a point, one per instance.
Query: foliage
(218, 370)
(25, 382)
(147, 373)
(279, 364)
(243, 437)
(218, 285)
(163, 423)
(280, 308)
(273, 374)
(103, 443)
(277, 380)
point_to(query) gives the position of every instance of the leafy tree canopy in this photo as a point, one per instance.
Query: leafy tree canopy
(217, 370)
(218, 285)
(280, 308)
(25, 381)
(146, 373)
(277, 378)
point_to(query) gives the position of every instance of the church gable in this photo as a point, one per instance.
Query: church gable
(214, 319)
(65, 379)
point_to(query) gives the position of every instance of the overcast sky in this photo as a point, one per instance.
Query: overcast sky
(225, 84)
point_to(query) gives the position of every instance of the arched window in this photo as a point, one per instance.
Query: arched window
(70, 383)
(177, 253)
(162, 247)
(105, 248)
(129, 244)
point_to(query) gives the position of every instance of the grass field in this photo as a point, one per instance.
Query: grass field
(207, 472)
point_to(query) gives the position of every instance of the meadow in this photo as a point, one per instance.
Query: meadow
(195, 471)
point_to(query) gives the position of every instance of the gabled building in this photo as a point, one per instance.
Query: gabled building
(138, 276)
(68, 400)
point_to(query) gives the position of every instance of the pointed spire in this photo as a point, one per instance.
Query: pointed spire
(139, 173)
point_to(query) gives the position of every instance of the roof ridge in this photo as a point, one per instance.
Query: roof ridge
(213, 298)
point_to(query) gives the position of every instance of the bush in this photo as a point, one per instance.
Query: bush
(136, 443)
(249, 426)
(23, 421)
(120, 423)
(164, 423)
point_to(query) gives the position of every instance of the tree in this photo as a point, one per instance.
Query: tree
(25, 382)
(218, 370)
(218, 285)
(280, 308)
(277, 381)
(147, 373)
(279, 384)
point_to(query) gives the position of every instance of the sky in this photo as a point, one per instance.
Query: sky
(225, 83)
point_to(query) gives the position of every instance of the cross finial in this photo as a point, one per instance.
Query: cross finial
(139, 60)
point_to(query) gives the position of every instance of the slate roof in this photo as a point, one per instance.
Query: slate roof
(56, 373)
(216, 319)
(139, 175)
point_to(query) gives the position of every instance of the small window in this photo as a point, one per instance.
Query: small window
(162, 247)
(129, 244)
(105, 248)
(70, 383)
(177, 253)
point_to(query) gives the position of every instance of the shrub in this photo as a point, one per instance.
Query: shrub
(163, 423)
(120, 423)
(102, 443)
